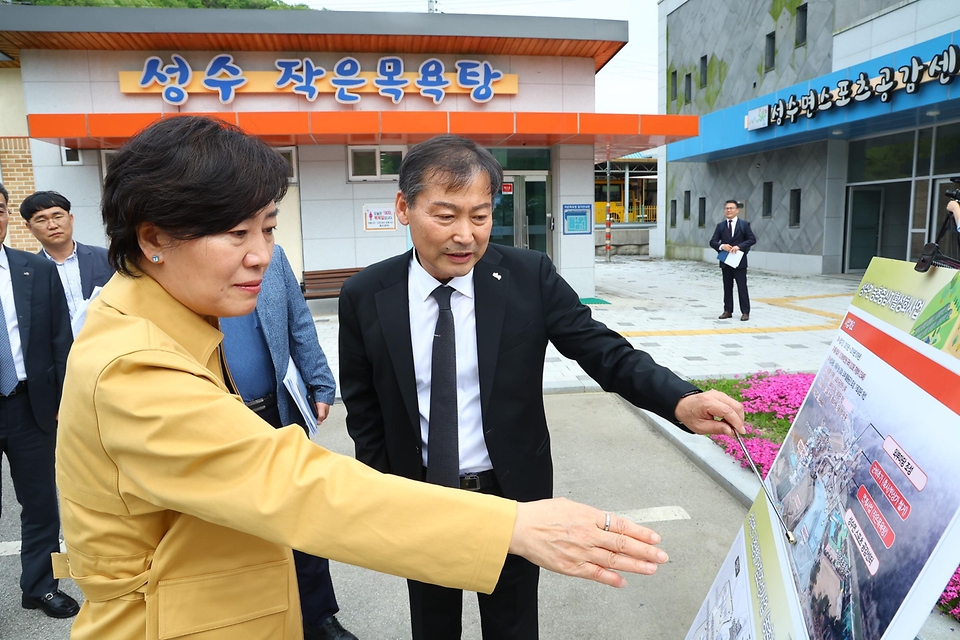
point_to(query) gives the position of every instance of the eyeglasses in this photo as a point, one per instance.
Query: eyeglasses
(42, 221)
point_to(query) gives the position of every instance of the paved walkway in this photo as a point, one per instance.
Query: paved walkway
(670, 309)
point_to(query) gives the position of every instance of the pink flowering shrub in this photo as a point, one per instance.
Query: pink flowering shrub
(779, 393)
(950, 599)
(762, 451)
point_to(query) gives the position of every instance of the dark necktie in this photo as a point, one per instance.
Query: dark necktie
(443, 449)
(8, 370)
(730, 228)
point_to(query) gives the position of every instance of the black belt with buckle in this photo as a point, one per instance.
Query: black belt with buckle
(478, 481)
(262, 404)
(20, 388)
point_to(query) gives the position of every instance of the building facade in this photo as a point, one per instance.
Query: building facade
(835, 123)
(342, 95)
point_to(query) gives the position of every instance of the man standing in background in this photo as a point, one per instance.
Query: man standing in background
(82, 268)
(34, 343)
(734, 236)
(258, 348)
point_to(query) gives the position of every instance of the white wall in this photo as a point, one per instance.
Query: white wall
(573, 179)
(900, 27)
(331, 210)
(13, 113)
(88, 82)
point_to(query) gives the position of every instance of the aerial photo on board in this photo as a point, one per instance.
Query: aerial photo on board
(865, 485)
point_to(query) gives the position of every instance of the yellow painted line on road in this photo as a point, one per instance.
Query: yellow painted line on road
(788, 303)
(822, 295)
(707, 332)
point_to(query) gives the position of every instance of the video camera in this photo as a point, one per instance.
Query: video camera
(954, 194)
(931, 255)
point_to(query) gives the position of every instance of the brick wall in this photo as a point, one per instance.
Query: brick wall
(17, 167)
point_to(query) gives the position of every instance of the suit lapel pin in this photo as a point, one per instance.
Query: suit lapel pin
(496, 275)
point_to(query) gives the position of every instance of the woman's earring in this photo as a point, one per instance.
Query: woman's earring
(155, 259)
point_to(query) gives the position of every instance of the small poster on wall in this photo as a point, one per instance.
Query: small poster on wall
(379, 217)
(577, 219)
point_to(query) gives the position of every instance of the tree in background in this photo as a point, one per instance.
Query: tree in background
(170, 4)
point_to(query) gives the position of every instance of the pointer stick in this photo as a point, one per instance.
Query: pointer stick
(792, 539)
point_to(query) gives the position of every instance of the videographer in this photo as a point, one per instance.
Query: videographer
(954, 207)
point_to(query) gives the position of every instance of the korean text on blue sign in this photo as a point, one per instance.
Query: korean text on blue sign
(942, 67)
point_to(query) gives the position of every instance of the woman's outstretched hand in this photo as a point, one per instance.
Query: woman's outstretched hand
(569, 538)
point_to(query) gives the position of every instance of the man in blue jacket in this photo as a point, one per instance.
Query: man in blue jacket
(82, 268)
(258, 348)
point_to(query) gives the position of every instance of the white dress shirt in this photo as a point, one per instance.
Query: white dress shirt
(10, 315)
(732, 229)
(69, 271)
(423, 319)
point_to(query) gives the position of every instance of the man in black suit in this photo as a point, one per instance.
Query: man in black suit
(81, 267)
(34, 343)
(734, 235)
(462, 404)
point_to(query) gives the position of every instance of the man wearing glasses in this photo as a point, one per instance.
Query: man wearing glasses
(732, 240)
(81, 268)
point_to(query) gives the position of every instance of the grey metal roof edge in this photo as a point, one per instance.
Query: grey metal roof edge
(55, 19)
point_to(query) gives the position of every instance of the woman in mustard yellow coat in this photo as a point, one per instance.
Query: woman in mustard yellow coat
(179, 505)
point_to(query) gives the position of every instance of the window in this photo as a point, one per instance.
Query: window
(686, 205)
(688, 88)
(770, 55)
(290, 155)
(600, 192)
(106, 157)
(673, 85)
(767, 200)
(375, 163)
(702, 213)
(794, 207)
(882, 158)
(703, 72)
(801, 25)
(673, 213)
(70, 156)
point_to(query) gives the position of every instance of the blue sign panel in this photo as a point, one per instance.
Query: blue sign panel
(577, 219)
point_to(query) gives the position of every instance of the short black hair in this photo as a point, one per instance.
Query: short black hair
(40, 200)
(5, 194)
(452, 160)
(733, 202)
(191, 176)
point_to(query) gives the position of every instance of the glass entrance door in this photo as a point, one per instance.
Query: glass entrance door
(521, 215)
(866, 205)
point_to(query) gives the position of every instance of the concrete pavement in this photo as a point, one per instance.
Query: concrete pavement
(669, 309)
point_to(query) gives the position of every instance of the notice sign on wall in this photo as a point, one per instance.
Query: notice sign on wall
(577, 219)
(865, 480)
(379, 217)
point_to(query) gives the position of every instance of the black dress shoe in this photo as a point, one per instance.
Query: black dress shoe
(329, 629)
(725, 315)
(745, 317)
(56, 604)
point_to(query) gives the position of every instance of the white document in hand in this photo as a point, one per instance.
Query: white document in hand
(733, 259)
(80, 315)
(294, 383)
